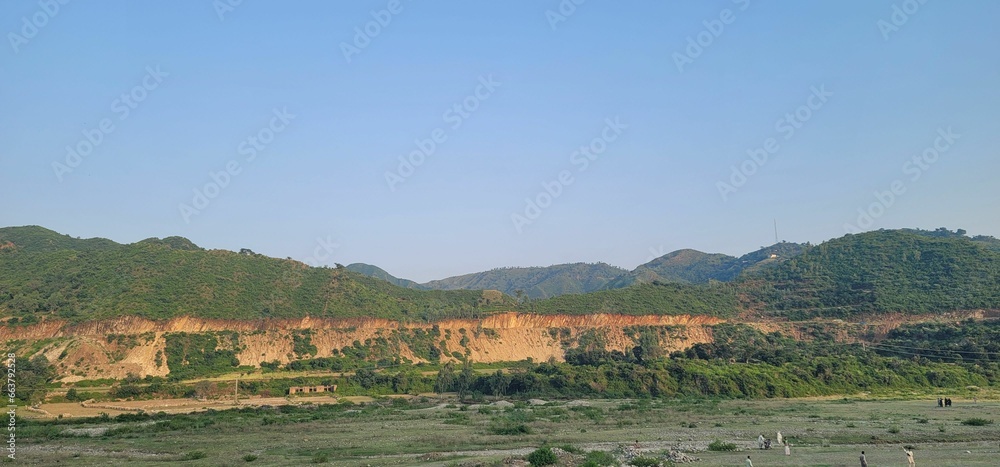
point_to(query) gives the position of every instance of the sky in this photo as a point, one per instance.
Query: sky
(441, 138)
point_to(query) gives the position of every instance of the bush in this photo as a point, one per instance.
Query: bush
(510, 429)
(977, 422)
(721, 446)
(542, 456)
(194, 455)
(893, 429)
(601, 458)
(571, 449)
(645, 462)
(249, 458)
(320, 458)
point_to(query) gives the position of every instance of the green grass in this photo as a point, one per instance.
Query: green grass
(382, 433)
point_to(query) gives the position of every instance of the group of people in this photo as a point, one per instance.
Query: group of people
(946, 402)
(864, 460)
(765, 443)
(909, 458)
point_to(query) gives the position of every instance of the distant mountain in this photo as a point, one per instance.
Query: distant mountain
(689, 266)
(695, 267)
(536, 282)
(681, 266)
(177, 243)
(379, 273)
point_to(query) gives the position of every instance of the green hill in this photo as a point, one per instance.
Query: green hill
(536, 282)
(44, 274)
(695, 267)
(883, 271)
(33, 238)
(379, 273)
(657, 298)
(41, 277)
(687, 266)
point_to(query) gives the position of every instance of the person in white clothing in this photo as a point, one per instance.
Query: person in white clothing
(788, 449)
(749, 463)
(779, 438)
(909, 457)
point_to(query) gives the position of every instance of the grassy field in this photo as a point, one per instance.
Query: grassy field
(428, 431)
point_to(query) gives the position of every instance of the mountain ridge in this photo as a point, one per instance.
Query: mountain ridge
(46, 275)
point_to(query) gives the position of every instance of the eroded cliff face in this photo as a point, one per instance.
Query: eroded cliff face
(113, 349)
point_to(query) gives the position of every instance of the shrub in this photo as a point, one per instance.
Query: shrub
(645, 462)
(893, 429)
(542, 456)
(510, 429)
(249, 457)
(571, 449)
(977, 422)
(601, 458)
(320, 458)
(721, 446)
(194, 455)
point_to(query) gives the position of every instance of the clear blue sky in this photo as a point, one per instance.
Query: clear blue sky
(655, 187)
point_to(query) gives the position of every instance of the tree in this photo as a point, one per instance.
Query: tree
(498, 383)
(32, 377)
(648, 347)
(445, 378)
(465, 380)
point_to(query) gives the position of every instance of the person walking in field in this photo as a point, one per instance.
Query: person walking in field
(788, 449)
(909, 457)
(779, 438)
(864, 461)
(748, 463)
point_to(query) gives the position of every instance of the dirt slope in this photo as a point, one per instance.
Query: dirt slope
(113, 349)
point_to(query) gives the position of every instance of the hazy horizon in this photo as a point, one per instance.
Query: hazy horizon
(534, 133)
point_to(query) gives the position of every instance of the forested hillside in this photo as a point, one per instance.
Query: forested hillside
(878, 272)
(536, 282)
(45, 274)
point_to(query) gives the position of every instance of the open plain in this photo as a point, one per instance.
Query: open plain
(433, 431)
